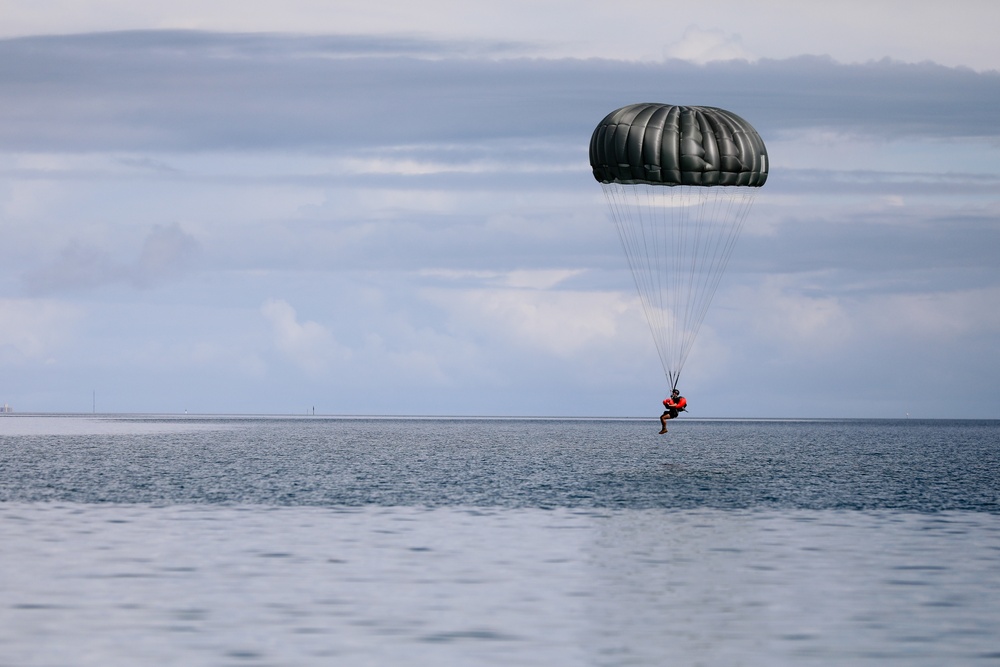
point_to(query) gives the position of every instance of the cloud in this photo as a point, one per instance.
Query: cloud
(561, 323)
(308, 345)
(704, 46)
(954, 34)
(34, 330)
(811, 323)
(77, 268)
(804, 322)
(937, 318)
(165, 251)
(523, 278)
(194, 91)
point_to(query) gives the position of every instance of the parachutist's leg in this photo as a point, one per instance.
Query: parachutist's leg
(663, 421)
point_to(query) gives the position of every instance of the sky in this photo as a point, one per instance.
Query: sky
(386, 208)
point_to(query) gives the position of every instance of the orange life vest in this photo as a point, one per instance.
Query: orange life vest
(680, 404)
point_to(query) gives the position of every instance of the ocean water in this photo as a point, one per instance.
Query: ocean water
(131, 540)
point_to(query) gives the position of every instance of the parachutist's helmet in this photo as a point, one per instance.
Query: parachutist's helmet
(676, 391)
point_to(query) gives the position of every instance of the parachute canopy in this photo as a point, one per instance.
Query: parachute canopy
(679, 182)
(662, 144)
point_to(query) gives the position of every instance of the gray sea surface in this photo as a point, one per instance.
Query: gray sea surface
(152, 540)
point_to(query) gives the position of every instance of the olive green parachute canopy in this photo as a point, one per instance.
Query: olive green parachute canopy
(663, 144)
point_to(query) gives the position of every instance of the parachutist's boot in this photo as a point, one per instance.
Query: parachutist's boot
(664, 430)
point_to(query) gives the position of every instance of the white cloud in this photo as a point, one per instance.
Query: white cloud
(705, 46)
(797, 322)
(34, 330)
(800, 322)
(525, 278)
(561, 323)
(411, 166)
(540, 279)
(25, 200)
(308, 345)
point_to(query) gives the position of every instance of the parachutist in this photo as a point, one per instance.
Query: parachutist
(674, 404)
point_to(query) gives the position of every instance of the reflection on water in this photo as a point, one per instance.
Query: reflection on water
(209, 585)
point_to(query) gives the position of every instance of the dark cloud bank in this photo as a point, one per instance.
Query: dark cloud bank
(180, 90)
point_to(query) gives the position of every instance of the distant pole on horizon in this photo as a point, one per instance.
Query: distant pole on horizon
(94, 406)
